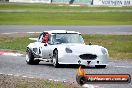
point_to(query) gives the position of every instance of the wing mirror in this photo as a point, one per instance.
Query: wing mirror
(45, 44)
(90, 43)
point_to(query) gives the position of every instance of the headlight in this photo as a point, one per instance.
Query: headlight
(68, 50)
(104, 51)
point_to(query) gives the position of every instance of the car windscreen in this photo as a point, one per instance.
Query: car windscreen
(67, 38)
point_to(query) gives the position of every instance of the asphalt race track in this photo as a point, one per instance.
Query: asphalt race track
(17, 66)
(121, 29)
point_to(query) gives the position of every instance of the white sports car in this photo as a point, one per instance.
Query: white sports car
(65, 47)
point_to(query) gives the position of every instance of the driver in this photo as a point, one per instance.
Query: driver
(45, 38)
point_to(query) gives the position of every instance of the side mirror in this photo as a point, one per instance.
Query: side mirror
(90, 43)
(45, 44)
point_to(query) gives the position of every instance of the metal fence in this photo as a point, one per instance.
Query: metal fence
(73, 1)
(4, 0)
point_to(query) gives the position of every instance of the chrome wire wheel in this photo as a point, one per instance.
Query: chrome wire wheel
(55, 59)
(27, 57)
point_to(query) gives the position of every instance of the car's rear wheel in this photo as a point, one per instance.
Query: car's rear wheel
(30, 58)
(100, 66)
(55, 59)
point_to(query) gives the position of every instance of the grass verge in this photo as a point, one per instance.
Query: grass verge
(44, 14)
(119, 46)
(48, 7)
(7, 81)
(66, 18)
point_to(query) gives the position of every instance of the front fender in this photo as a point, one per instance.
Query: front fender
(95, 49)
(61, 51)
(31, 46)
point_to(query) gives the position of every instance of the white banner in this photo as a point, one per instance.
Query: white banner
(31, 1)
(113, 2)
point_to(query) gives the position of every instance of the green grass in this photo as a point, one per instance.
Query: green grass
(42, 84)
(20, 82)
(119, 46)
(48, 7)
(66, 18)
(18, 43)
(45, 14)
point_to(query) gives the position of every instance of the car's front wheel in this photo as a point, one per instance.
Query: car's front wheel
(30, 58)
(55, 59)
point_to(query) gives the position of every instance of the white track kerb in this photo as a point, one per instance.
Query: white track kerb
(20, 33)
(10, 53)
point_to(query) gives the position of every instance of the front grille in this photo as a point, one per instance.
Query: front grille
(88, 56)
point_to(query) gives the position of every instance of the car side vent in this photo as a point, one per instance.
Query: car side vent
(88, 56)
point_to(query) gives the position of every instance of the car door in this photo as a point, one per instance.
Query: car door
(45, 49)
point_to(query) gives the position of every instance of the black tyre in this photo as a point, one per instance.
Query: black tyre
(36, 62)
(30, 58)
(55, 59)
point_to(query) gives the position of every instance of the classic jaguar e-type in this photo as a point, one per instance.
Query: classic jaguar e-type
(65, 47)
